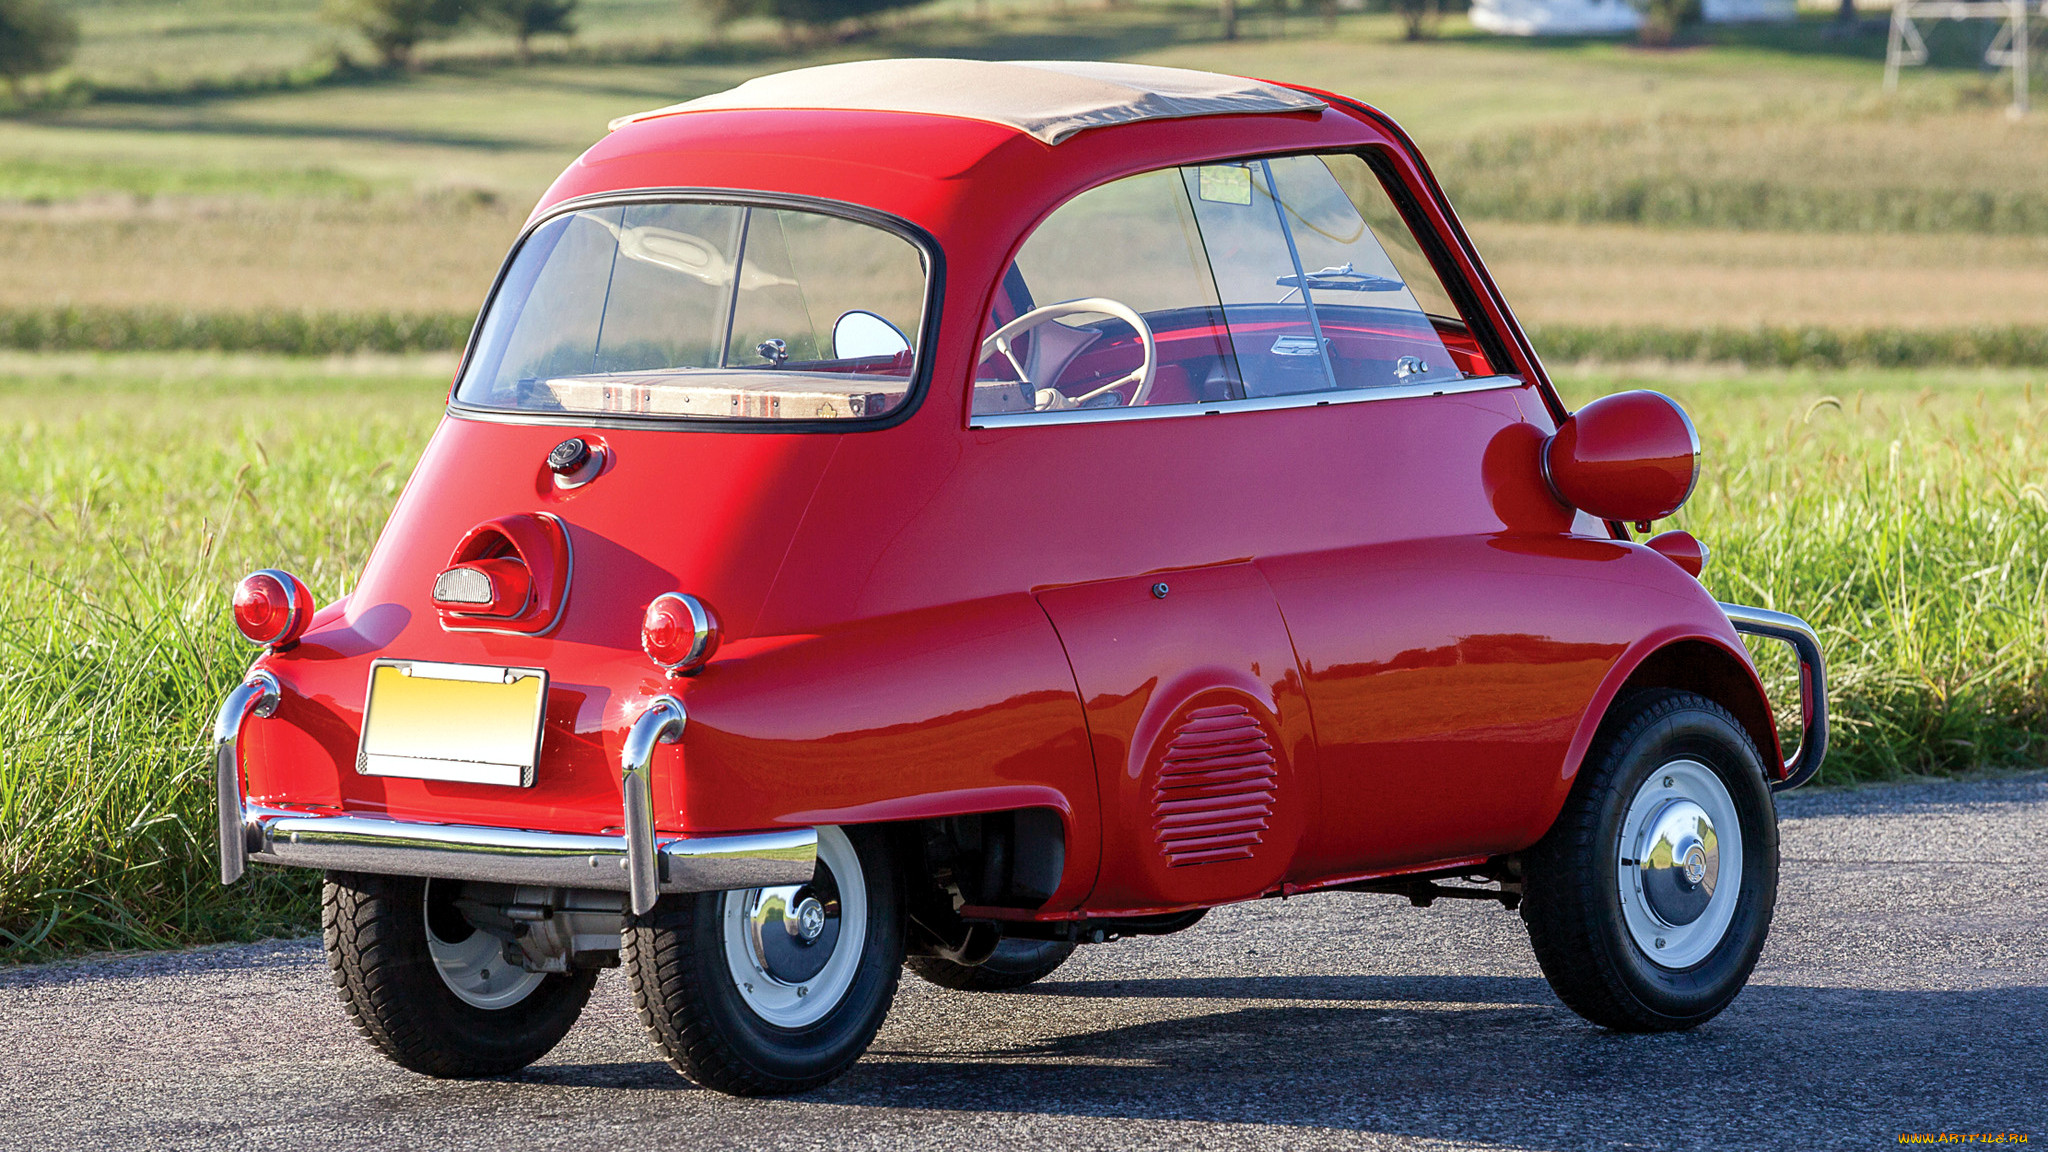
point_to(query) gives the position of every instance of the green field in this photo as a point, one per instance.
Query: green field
(1761, 179)
(1752, 197)
(1903, 513)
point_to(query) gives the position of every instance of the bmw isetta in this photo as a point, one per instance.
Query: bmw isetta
(941, 513)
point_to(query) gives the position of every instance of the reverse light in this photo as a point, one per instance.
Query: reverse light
(501, 586)
(679, 632)
(272, 608)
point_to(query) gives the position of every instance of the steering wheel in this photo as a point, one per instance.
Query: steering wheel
(1049, 399)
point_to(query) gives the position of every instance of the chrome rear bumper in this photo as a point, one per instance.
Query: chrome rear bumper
(641, 862)
(1813, 685)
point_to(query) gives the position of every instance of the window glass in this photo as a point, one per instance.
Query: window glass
(1136, 242)
(1362, 187)
(1254, 278)
(1376, 332)
(700, 310)
(1253, 257)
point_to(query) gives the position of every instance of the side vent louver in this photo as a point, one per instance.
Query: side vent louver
(1215, 789)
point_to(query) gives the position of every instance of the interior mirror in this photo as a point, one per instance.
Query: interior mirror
(859, 335)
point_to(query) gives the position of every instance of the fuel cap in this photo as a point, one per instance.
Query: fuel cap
(568, 456)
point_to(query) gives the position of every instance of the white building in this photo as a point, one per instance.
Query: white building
(1604, 17)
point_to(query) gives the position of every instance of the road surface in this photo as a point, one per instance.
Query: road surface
(1904, 990)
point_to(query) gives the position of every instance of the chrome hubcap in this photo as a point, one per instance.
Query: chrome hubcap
(472, 964)
(793, 950)
(1679, 839)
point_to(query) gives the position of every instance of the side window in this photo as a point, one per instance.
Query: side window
(1132, 246)
(1251, 279)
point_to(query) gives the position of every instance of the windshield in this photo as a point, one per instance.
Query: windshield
(714, 311)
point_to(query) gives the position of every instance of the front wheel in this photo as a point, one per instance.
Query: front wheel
(1649, 900)
(432, 991)
(772, 990)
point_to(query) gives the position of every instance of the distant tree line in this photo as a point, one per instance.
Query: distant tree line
(396, 27)
(36, 37)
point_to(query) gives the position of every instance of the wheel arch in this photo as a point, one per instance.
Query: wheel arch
(1715, 667)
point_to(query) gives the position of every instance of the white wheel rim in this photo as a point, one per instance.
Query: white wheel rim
(475, 968)
(1661, 870)
(761, 975)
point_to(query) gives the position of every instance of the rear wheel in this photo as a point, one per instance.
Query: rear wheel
(1649, 900)
(1015, 964)
(432, 991)
(771, 990)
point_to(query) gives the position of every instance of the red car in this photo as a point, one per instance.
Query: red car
(940, 513)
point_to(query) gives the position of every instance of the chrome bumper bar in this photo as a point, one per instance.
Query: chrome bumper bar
(1813, 685)
(641, 862)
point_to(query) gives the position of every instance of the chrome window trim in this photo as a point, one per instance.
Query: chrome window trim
(1256, 404)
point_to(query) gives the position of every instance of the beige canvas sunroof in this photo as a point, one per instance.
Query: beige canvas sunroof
(1049, 99)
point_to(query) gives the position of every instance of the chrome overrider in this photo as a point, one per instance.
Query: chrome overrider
(641, 862)
(1813, 685)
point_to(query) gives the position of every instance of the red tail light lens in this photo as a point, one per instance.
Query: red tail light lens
(272, 607)
(679, 632)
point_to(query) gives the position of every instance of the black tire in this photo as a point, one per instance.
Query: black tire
(376, 936)
(1015, 964)
(1573, 903)
(692, 1005)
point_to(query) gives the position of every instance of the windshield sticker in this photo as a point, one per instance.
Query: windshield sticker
(1226, 184)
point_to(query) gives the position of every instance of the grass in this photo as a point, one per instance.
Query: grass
(135, 491)
(1904, 513)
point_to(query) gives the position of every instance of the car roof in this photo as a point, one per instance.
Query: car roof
(1047, 99)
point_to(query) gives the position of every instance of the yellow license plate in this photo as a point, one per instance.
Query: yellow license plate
(468, 722)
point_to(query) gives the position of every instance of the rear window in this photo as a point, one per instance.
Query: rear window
(704, 311)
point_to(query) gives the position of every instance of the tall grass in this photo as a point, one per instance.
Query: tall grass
(130, 507)
(1906, 516)
(1904, 513)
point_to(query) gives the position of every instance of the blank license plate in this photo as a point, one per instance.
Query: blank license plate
(468, 722)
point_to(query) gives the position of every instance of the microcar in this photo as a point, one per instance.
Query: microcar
(939, 513)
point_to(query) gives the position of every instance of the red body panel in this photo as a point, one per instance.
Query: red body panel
(1380, 645)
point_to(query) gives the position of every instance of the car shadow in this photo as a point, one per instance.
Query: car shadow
(1490, 1060)
(1501, 1060)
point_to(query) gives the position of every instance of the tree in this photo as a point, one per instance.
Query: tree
(815, 14)
(526, 19)
(1663, 18)
(724, 13)
(1418, 18)
(36, 37)
(395, 27)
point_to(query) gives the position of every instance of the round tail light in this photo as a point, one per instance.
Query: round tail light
(679, 632)
(272, 608)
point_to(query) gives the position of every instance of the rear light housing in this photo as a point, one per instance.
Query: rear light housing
(506, 575)
(679, 632)
(272, 608)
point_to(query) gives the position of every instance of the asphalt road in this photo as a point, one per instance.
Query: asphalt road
(1905, 989)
